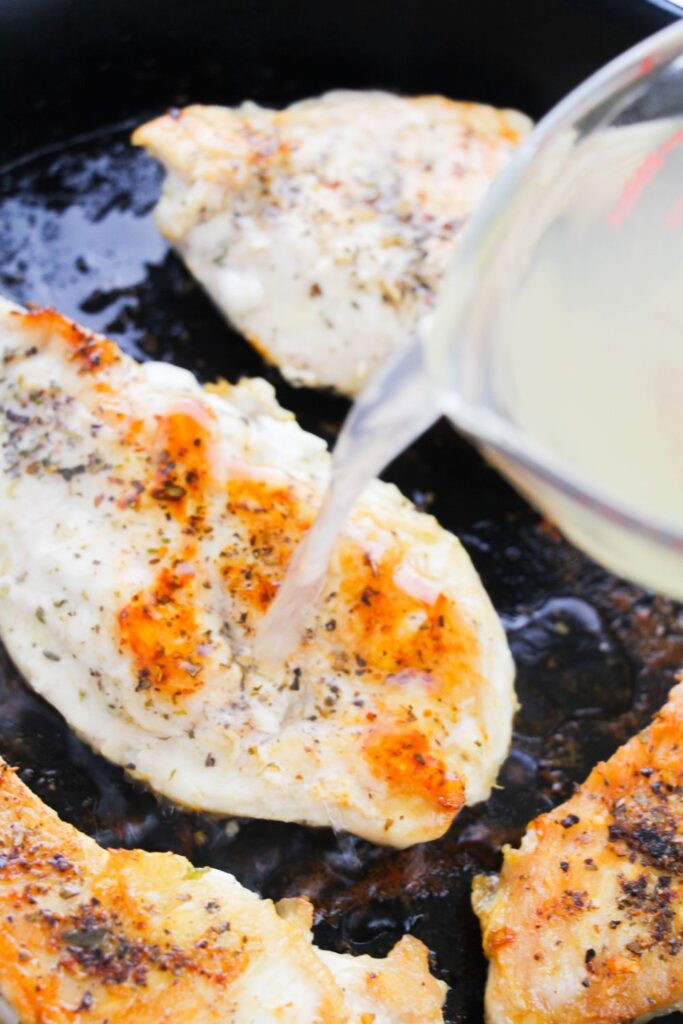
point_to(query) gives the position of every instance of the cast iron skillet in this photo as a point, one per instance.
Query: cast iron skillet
(595, 657)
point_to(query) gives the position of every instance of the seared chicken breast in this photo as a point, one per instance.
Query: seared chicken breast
(323, 231)
(144, 528)
(585, 924)
(127, 937)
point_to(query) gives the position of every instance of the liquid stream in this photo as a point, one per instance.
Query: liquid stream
(395, 408)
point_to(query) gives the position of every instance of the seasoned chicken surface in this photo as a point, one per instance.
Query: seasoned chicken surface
(323, 231)
(144, 528)
(127, 937)
(585, 925)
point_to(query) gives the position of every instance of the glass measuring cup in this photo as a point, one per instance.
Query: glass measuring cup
(557, 343)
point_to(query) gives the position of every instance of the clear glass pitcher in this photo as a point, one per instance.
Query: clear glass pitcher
(558, 340)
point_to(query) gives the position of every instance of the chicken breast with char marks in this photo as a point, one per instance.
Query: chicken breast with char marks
(323, 231)
(585, 924)
(127, 937)
(145, 527)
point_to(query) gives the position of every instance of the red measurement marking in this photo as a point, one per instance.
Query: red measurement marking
(674, 215)
(643, 175)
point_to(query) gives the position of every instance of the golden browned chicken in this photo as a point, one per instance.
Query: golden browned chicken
(323, 231)
(93, 936)
(585, 923)
(145, 526)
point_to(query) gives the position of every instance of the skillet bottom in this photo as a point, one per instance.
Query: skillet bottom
(595, 656)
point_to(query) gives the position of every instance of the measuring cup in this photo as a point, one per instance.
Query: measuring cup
(557, 342)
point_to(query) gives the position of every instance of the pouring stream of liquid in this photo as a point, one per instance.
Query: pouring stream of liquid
(396, 407)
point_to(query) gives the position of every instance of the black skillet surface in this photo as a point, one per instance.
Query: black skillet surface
(595, 657)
